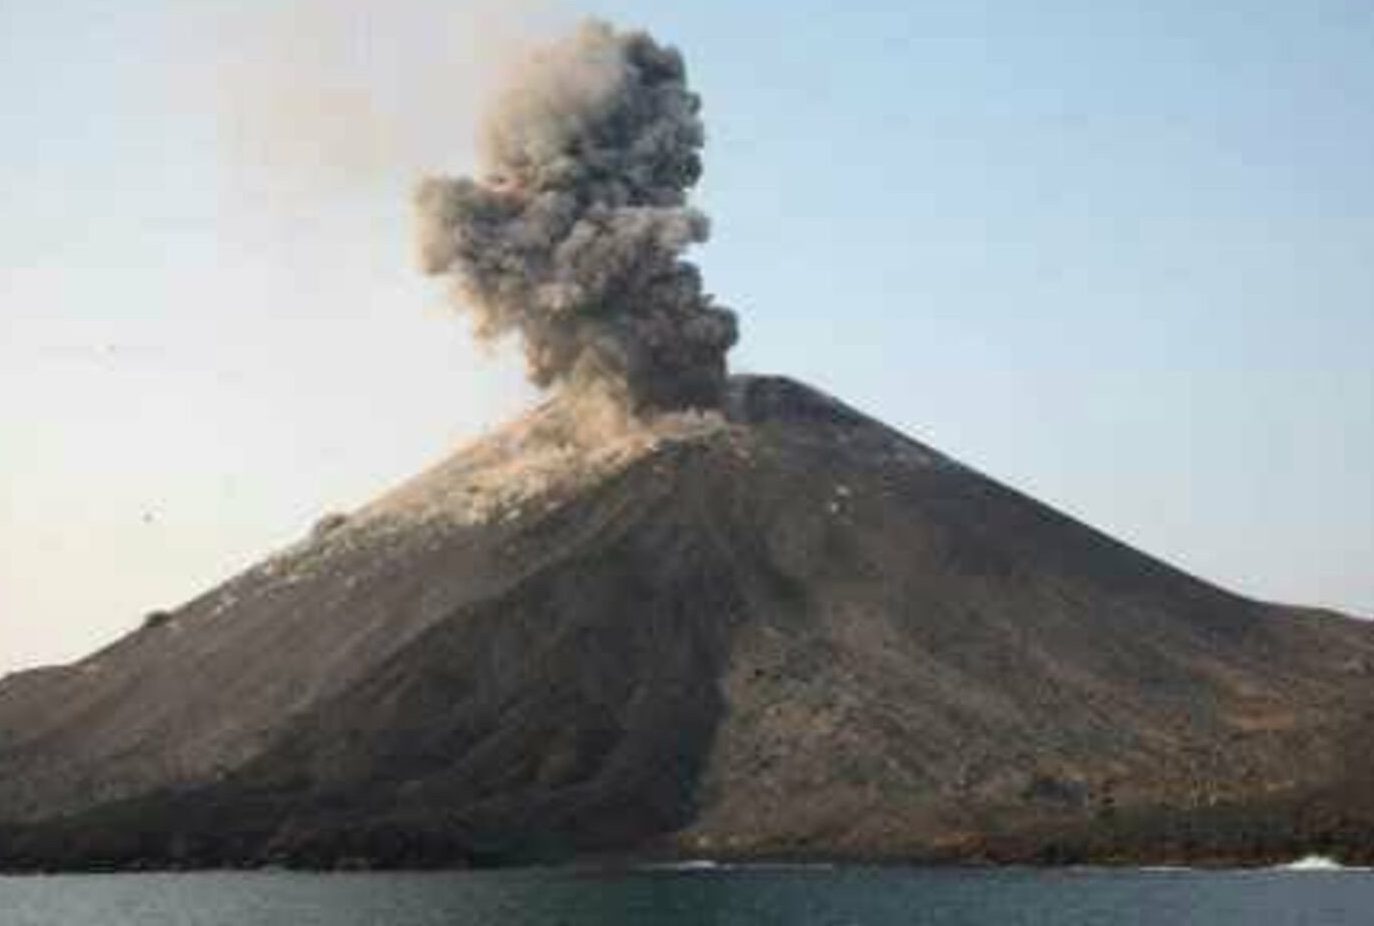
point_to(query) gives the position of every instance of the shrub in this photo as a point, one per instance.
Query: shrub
(328, 525)
(156, 619)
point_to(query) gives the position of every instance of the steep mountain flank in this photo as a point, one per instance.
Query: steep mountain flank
(784, 631)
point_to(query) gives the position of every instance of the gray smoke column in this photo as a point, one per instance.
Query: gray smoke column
(574, 235)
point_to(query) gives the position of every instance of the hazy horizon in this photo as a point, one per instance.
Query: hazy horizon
(1119, 259)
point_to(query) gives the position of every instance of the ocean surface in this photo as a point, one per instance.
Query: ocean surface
(791, 896)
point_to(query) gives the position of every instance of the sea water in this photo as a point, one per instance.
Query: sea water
(802, 896)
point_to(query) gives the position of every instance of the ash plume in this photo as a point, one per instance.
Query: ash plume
(574, 235)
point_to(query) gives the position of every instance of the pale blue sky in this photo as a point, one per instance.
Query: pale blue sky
(1118, 255)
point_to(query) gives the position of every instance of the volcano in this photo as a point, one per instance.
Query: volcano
(781, 630)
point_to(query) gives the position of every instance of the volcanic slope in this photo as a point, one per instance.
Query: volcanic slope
(787, 631)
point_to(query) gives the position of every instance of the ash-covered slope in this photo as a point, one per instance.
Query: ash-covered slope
(788, 631)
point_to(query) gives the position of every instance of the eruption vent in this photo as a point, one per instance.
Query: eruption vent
(574, 236)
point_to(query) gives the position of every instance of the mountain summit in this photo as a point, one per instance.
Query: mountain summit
(776, 630)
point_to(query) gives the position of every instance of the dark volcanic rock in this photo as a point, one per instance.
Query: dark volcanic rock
(794, 632)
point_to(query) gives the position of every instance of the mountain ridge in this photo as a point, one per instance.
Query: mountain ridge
(782, 630)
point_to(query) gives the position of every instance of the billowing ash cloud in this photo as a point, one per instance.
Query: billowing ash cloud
(575, 235)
